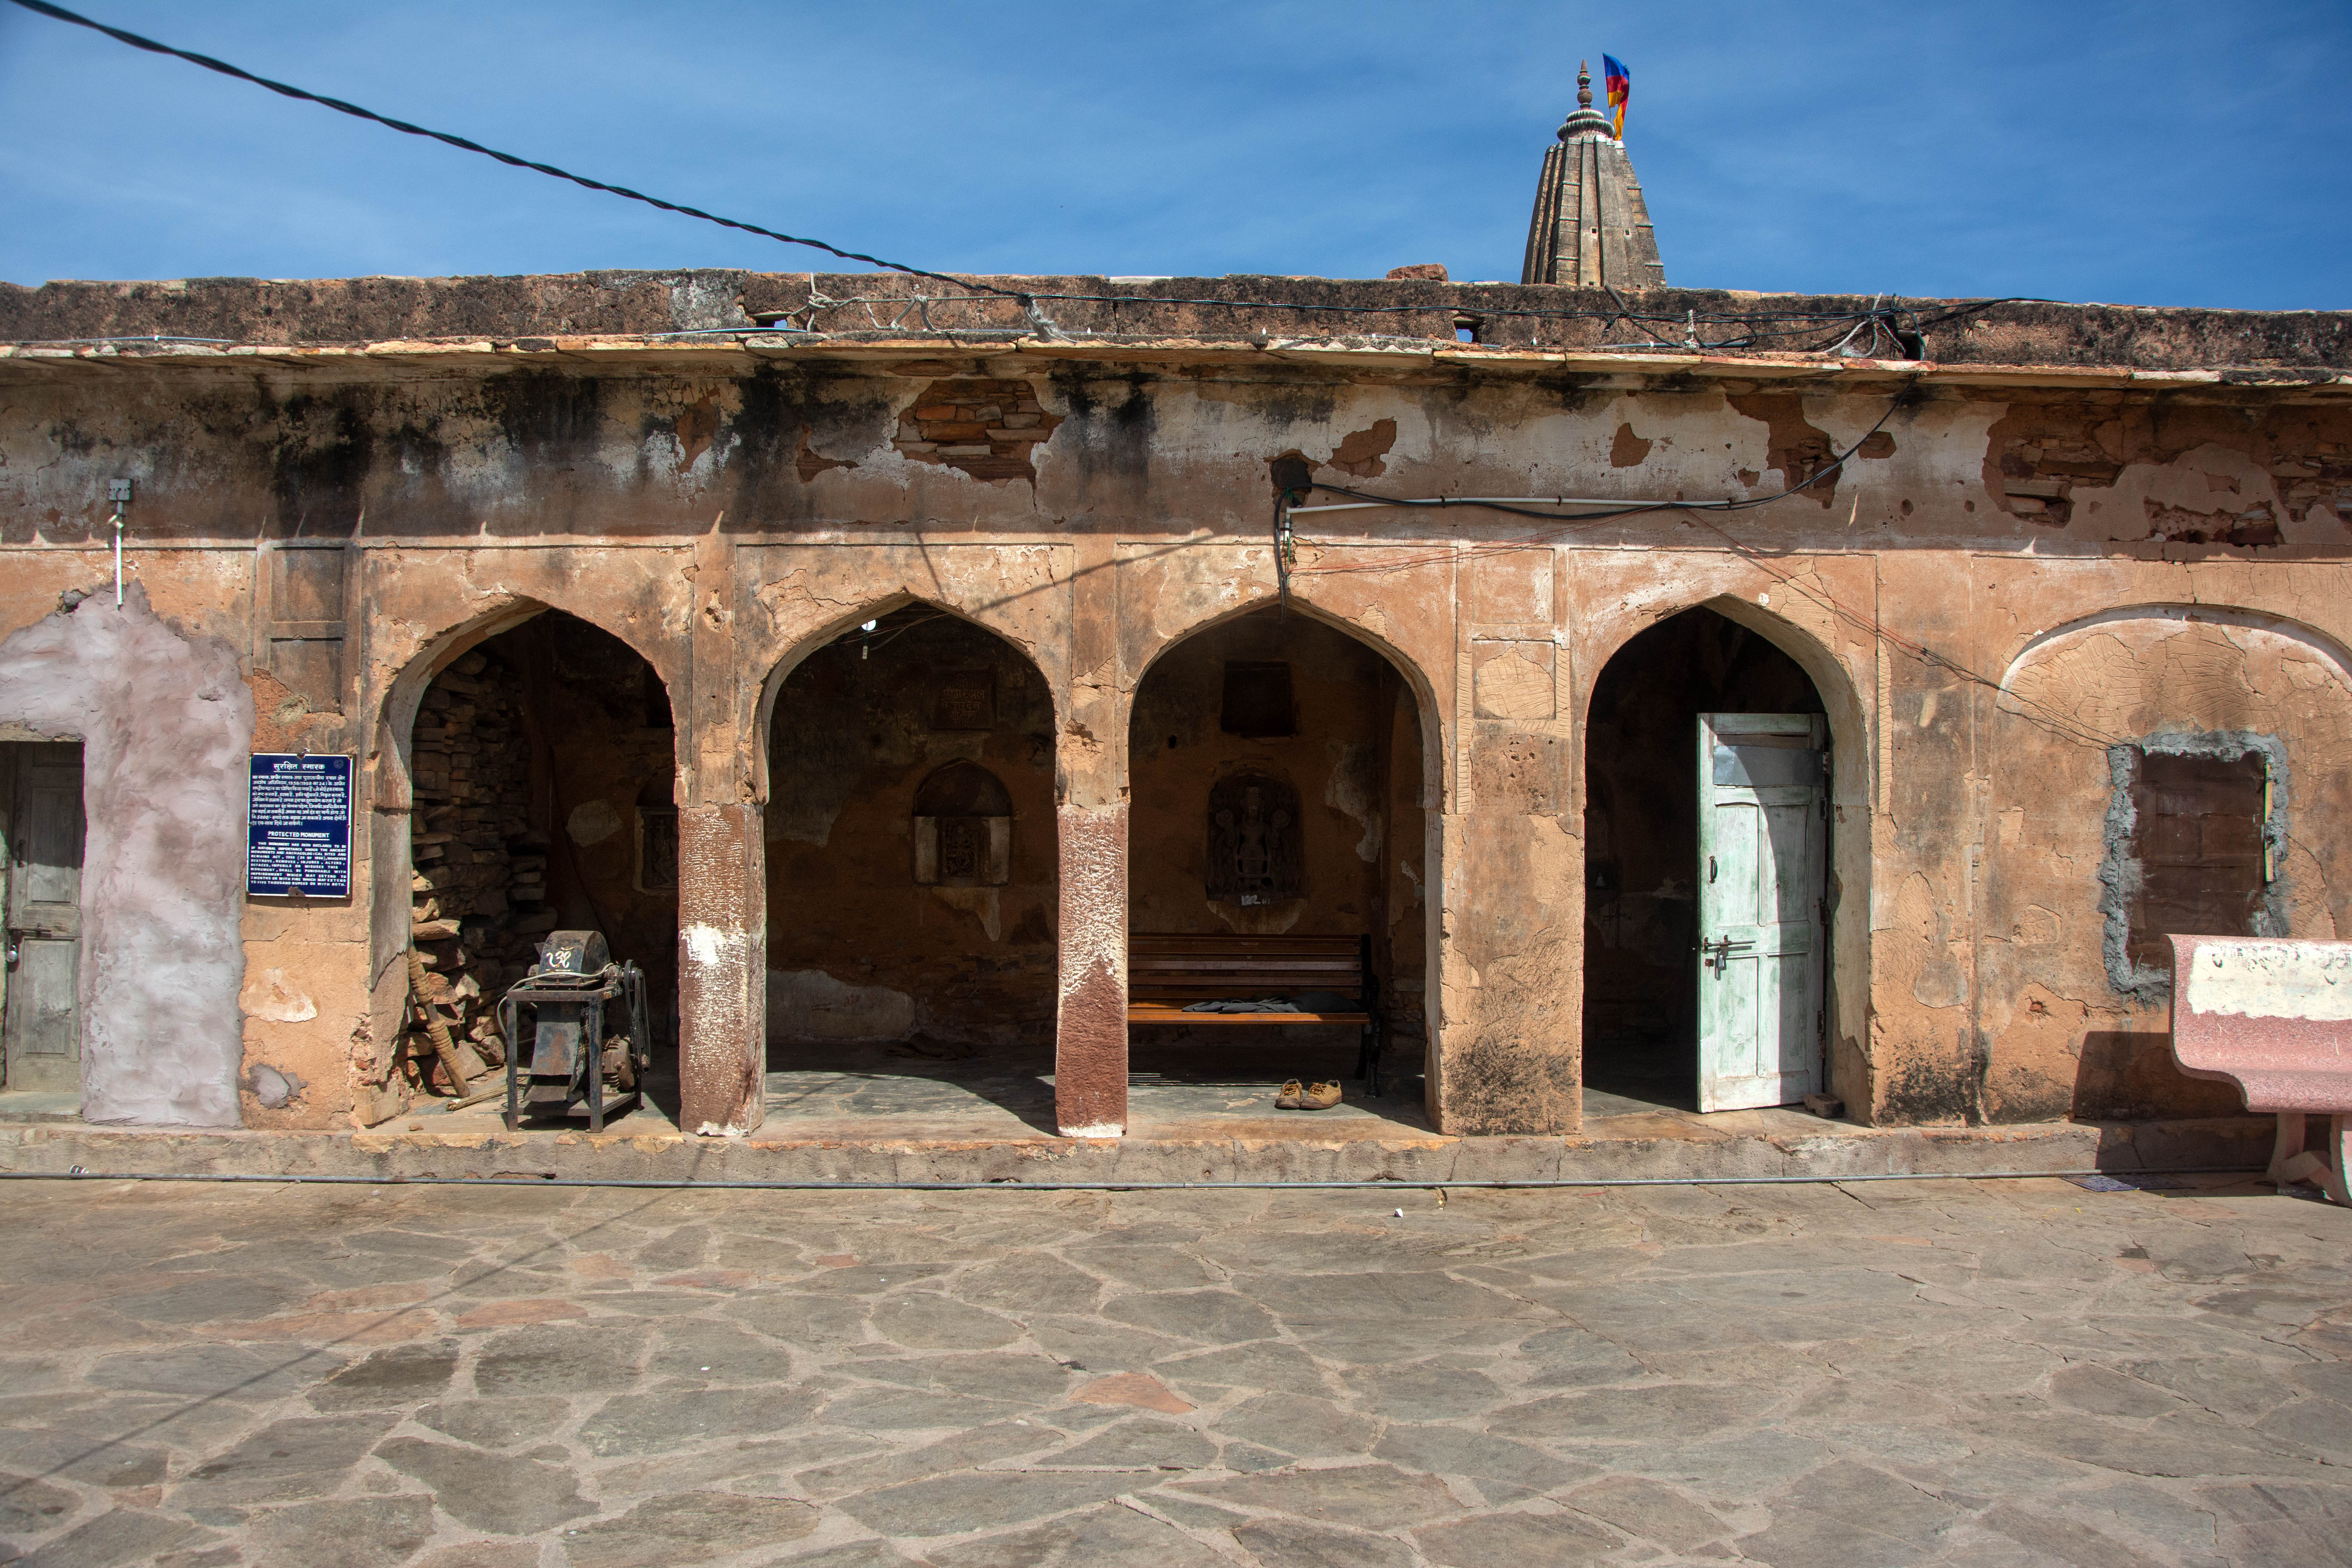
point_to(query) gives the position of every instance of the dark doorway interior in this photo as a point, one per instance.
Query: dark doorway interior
(1275, 768)
(1641, 836)
(912, 875)
(543, 763)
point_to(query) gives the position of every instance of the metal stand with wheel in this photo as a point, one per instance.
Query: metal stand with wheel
(571, 991)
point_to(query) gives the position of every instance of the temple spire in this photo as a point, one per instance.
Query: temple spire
(1591, 228)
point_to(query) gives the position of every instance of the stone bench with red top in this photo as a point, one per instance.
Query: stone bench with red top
(2273, 1017)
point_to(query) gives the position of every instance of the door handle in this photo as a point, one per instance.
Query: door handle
(1710, 868)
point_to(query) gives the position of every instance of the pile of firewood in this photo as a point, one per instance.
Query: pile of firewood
(480, 887)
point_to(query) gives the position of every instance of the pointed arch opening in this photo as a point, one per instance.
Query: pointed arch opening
(1278, 773)
(539, 759)
(912, 877)
(1693, 824)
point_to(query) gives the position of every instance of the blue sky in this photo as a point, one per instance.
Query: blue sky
(2151, 153)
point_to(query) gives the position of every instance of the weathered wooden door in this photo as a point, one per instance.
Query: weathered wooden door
(41, 1022)
(1763, 834)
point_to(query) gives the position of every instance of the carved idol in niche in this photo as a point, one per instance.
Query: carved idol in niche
(1254, 855)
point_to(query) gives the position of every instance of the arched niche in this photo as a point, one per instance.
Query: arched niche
(1329, 729)
(963, 828)
(847, 627)
(2073, 1005)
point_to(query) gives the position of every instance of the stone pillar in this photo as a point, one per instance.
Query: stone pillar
(1090, 1037)
(722, 871)
(722, 969)
(1091, 1033)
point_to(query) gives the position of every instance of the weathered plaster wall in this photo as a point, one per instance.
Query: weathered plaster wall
(2058, 1034)
(726, 511)
(163, 721)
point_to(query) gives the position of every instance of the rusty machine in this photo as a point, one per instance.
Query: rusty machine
(589, 1027)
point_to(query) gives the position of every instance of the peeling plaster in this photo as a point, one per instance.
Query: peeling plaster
(1354, 789)
(268, 994)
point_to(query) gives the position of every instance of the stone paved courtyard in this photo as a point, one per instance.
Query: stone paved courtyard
(1985, 1373)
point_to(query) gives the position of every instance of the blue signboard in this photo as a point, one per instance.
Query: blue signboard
(298, 826)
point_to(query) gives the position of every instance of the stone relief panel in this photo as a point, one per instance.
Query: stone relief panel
(1255, 848)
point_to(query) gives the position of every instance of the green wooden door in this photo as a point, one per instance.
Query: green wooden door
(40, 1019)
(1763, 893)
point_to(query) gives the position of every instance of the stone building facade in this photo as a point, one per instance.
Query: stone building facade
(870, 659)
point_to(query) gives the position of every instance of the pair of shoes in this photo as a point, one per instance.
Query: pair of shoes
(1320, 1097)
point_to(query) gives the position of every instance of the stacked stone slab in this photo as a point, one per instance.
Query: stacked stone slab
(479, 887)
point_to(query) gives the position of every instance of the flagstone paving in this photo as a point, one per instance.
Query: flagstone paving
(1982, 1373)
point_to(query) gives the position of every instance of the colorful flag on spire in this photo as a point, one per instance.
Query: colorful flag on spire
(1621, 86)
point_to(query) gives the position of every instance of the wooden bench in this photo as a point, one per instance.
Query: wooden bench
(2273, 1017)
(1166, 973)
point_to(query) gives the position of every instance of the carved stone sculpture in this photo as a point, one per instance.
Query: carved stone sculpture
(1255, 852)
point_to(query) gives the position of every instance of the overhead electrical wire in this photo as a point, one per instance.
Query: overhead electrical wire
(1753, 327)
(58, 12)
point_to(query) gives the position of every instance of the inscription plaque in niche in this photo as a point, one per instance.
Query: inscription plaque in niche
(966, 699)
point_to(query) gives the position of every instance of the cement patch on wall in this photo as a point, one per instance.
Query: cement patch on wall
(164, 722)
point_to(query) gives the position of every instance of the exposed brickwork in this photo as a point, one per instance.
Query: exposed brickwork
(2039, 453)
(987, 429)
(1798, 449)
